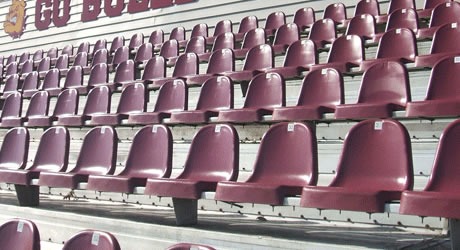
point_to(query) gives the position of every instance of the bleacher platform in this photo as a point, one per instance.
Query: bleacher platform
(232, 125)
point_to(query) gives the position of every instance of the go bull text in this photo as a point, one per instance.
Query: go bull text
(58, 11)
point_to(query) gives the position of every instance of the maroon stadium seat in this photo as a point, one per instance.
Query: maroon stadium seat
(440, 197)
(98, 45)
(251, 39)
(124, 74)
(81, 59)
(83, 47)
(257, 58)
(67, 50)
(11, 85)
(98, 76)
(30, 84)
(143, 54)
(97, 102)
(195, 45)
(220, 61)
(100, 56)
(117, 42)
(321, 91)
(121, 55)
(202, 173)
(384, 89)
(429, 6)
(246, 24)
(66, 104)
(362, 25)
(401, 18)
(375, 167)
(200, 29)
(169, 49)
(222, 27)
(51, 83)
(153, 69)
(38, 108)
(44, 65)
(11, 59)
(62, 63)
(287, 161)
(266, 92)
(52, 53)
(150, 156)
(285, 36)
(189, 246)
(132, 100)
(442, 97)
(177, 33)
(337, 12)
(74, 78)
(345, 53)
(14, 149)
(97, 157)
(36, 57)
(23, 58)
(92, 240)
(445, 13)
(444, 45)
(396, 5)
(11, 69)
(12, 110)
(222, 41)
(304, 17)
(216, 94)
(157, 38)
(136, 41)
(299, 57)
(172, 97)
(19, 234)
(323, 32)
(27, 67)
(51, 156)
(405, 52)
(186, 65)
(274, 21)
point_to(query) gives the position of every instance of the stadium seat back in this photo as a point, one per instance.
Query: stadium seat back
(150, 155)
(38, 105)
(98, 152)
(386, 82)
(19, 234)
(98, 101)
(222, 60)
(53, 151)
(304, 17)
(336, 12)
(266, 91)
(133, 99)
(376, 156)
(213, 155)
(74, 77)
(287, 156)
(216, 94)
(172, 96)
(15, 148)
(322, 87)
(92, 240)
(67, 103)
(99, 74)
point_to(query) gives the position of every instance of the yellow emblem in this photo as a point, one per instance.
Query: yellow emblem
(15, 21)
